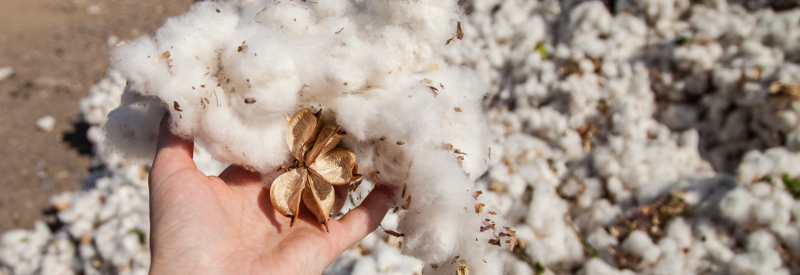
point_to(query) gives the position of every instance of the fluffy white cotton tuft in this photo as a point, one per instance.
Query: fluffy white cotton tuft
(229, 73)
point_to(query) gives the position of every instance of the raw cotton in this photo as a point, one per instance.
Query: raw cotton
(229, 73)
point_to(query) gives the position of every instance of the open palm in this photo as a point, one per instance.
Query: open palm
(227, 225)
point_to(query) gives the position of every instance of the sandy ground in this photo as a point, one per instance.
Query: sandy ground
(59, 49)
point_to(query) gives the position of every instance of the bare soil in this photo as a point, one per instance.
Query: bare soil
(59, 49)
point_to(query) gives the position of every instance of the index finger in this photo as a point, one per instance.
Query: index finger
(173, 154)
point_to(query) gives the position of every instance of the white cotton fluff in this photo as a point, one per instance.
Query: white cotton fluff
(6, 72)
(373, 67)
(46, 123)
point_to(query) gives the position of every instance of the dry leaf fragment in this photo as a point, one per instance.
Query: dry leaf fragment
(434, 90)
(177, 106)
(448, 146)
(787, 90)
(497, 187)
(479, 207)
(354, 186)
(454, 260)
(484, 228)
(477, 194)
(434, 66)
(217, 10)
(249, 100)
(392, 233)
(163, 56)
(400, 143)
(484, 261)
(242, 49)
(512, 243)
(459, 33)
(320, 165)
(492, 212)
(458, 110)
(495, 241)
(510, 232)
(61, 206)
(449, 40)
(119, 44)
(408, 203)
(435, 266)
(339, 31)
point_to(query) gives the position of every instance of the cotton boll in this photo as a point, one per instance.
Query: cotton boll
(23, 250)
(59, 256)
(556, 242)
(344, 263)
(639, 244)
(6, 72)
(680, 232)
(103, 97)
(601, 238)
(736, 205)
(596, 266)
(46, 123)
(365, 266)
(134, 126)
(517, 267)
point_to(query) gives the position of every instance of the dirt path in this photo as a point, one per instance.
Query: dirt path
(58, 49)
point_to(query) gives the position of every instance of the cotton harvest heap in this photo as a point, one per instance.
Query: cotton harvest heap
(228, 74)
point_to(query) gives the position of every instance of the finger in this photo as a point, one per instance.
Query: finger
(365, 218)
(173, 153)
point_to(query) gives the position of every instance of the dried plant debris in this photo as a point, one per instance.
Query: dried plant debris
(463, 269)
(319, 166)
(788, 91)
(479, 207)
(393, 233)
(459, 33)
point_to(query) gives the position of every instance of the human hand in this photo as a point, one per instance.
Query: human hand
(227, 225)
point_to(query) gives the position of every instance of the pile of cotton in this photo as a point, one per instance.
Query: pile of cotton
(617, 137)
(595, 154)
